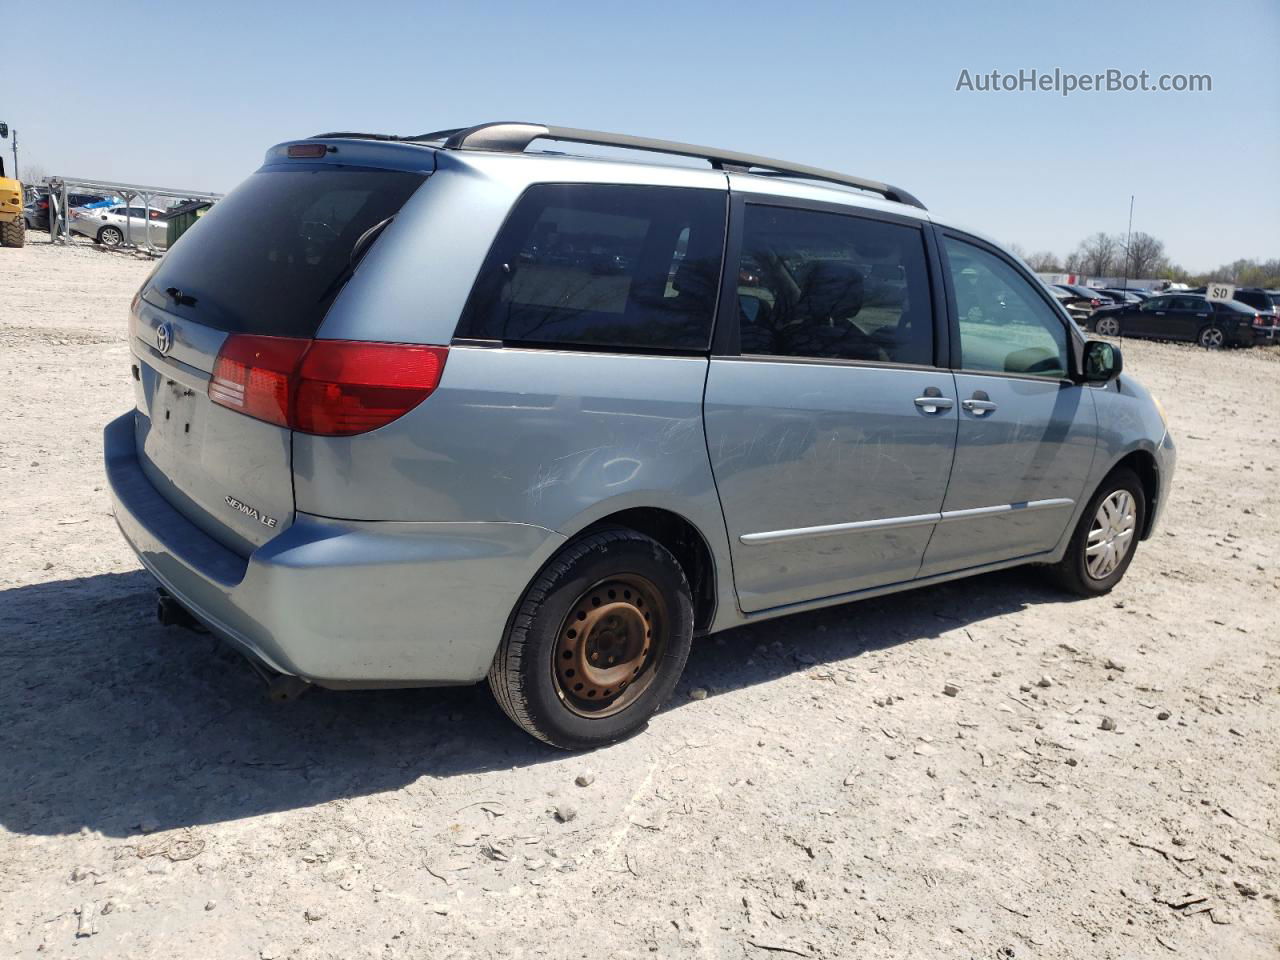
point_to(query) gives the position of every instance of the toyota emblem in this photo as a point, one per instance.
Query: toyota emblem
(164, 338)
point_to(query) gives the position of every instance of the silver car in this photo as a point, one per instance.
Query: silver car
(416, 411)
(112, 226)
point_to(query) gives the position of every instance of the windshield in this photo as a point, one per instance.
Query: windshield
(270, 257)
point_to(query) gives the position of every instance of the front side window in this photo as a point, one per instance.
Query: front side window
(1005, 325)
(828, 285)
(603, 265)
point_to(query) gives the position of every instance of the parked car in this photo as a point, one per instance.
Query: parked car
(1077, 307)
(36, 213)
(1186, 316)
(1086, 293)
(398, 452)
(113, 226)
(1120, 295)
(1263, 301)
(1082, 300)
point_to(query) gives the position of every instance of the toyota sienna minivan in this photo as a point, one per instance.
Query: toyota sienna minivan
(421, 410)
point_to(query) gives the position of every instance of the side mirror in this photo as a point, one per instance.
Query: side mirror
(1102, 361)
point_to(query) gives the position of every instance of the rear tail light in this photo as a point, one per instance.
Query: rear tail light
(1259, 320)
(334, 388)
(1095, 303)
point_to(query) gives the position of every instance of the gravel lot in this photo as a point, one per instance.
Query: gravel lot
(825, 800)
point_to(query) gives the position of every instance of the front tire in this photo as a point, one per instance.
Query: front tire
(13, 234)
(598, 642)
(1105, 539)
(110, 236)
(1212, 338)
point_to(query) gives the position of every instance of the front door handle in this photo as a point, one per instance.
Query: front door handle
(979, 404)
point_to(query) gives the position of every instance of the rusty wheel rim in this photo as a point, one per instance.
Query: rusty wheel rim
(609, 646)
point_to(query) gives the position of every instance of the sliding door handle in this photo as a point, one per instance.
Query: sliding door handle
(934, 404)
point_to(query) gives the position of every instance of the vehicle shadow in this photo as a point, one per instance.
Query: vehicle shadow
(111, 722)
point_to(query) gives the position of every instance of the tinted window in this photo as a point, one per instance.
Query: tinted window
(833, 286)
(272, 255)
(1232, 306)
(1005, 325)
(603, 265)
(1192, 304)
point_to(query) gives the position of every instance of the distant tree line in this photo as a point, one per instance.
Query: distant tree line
(1108, 255)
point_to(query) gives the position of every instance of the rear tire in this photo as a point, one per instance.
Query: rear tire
(13, 234)
(1107, 327)
(533, 676)
(110, 236)
(1105, 532)
(1212, 338)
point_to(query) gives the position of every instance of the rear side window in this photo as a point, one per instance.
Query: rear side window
(587, 265)
(270, 257)
(827, 285)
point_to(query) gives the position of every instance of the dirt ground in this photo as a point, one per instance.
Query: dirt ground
(825, 800)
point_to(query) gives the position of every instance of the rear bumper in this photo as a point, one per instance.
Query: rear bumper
(337, 602)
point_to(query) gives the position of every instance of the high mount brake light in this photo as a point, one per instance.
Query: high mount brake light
(304, 150)
(333, 388)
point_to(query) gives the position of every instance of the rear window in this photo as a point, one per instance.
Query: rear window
(270, 257)
(603, 265)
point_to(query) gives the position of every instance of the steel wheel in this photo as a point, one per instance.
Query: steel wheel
(1212, 338)
(609, 646)
(1108, 327)
(1111, 535)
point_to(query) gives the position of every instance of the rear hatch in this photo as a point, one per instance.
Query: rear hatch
(266, 261)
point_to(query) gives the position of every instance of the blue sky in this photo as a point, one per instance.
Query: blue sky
(867, 88)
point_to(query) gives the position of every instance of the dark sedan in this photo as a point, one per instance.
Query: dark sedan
(36, 213)
(1186, 317)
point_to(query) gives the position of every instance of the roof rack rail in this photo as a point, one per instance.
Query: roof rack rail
(514, 137)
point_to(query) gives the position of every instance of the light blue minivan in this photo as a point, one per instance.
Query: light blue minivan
(422, 410)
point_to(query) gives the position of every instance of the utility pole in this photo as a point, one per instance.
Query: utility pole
(1128, 243)
(15, 154)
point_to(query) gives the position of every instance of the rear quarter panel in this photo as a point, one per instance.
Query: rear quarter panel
(558, 439)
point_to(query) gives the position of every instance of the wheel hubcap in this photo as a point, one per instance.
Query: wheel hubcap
(1211, 338)
(1111, 535)
(609, 646)
(1108, 328)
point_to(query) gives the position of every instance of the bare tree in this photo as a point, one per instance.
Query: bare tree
(1097, 255)
(1044, 261)
(1144, 256)
(32, 172)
